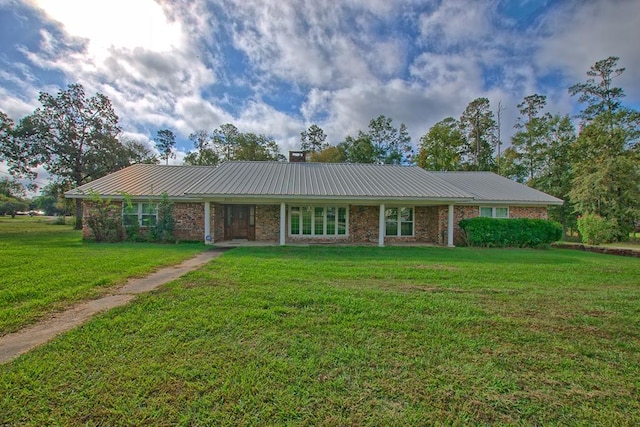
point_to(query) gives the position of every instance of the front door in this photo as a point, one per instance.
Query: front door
(238, 222)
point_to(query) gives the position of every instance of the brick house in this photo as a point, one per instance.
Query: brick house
(300, 202)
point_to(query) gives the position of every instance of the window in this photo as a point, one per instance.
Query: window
(494, 212)
(145, 214)
(317, 221)
(399, 221)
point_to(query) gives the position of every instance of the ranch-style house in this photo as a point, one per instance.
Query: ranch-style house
(300, 202)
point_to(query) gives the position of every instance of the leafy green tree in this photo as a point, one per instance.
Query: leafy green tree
(533, 133)
(392, 145)
(607, 166)
(252, 147)
(479, 128)
(73, 137)
(11, 205)
(330, 154)
(440, 148)
(225, 141)
(313, 139)
(512, 167)
(12, 188)
(597, 92)
(205, 154)
(359, 150)
(135, 152)
(165, 143)
(556, 173)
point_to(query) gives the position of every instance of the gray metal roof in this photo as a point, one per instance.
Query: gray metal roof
(274, 180)
(337, 180)
(143, 180)
(489, 187)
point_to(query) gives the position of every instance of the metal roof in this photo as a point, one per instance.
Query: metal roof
(490, 187)
(144, 180)
(337, 180)
(280, 180)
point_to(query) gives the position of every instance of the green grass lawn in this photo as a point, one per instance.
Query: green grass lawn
(46, 267)
(353, 336)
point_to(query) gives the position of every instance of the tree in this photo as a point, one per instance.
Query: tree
(512, 166)
(252, 147)
(359, 150)
(533, 132)
(607, 167)
(16, 146)
(71, 136)
(556, 173)
(165, 143)
(330, 154)
(392, 146)
(136, 152)
(440, 147)
(12, 188)
(225, 141)
(313, 139)
(479, 128)
(205, 154)
(602, 99)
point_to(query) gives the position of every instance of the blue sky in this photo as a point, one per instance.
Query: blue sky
(277, 66)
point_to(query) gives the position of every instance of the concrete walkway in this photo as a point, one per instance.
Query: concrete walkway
(14, 344)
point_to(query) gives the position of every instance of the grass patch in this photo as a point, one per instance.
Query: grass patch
(353, 336)
(45, 267)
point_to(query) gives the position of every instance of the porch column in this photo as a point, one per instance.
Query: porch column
(283, 223)
(208, 239)
(381, 226)
(450, 228)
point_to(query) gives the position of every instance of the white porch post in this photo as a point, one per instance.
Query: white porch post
(208, 239)
(381, 226)
(450, 228)
(283, 223)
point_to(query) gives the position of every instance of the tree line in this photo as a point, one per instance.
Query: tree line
(593, 168)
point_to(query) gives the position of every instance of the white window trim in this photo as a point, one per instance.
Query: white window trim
(399, 230)
(139, 209)
(493, 211)
(313, 220)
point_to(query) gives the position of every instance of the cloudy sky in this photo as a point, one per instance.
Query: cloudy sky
(277, 66)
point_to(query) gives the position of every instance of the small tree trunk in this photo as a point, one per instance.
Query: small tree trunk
(78, 225)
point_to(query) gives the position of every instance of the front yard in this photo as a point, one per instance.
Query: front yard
(353, 336)
(46, 267)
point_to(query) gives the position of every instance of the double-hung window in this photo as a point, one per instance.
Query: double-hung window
(145, 214)
(317, 220)
(494, 212)
(399, 221)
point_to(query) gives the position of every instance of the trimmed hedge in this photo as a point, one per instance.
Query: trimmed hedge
(514, 232)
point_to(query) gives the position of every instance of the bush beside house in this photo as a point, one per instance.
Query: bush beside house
(515, 232)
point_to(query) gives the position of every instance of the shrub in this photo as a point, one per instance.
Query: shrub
(104, 219)
(163, 230)
(595, 230)
(516, 232)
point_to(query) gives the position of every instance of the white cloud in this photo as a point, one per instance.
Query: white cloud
(457, 21)
(116, 23)
(581, 33)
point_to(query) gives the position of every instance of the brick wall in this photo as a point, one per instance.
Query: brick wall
(189, 219)
(531, 212)
(363, 224)
(430, 224)
(268, 223)
(217, 222)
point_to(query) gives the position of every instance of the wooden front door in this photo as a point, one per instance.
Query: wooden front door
(239, 223)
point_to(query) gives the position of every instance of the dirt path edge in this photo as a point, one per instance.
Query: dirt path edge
(16, 343)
